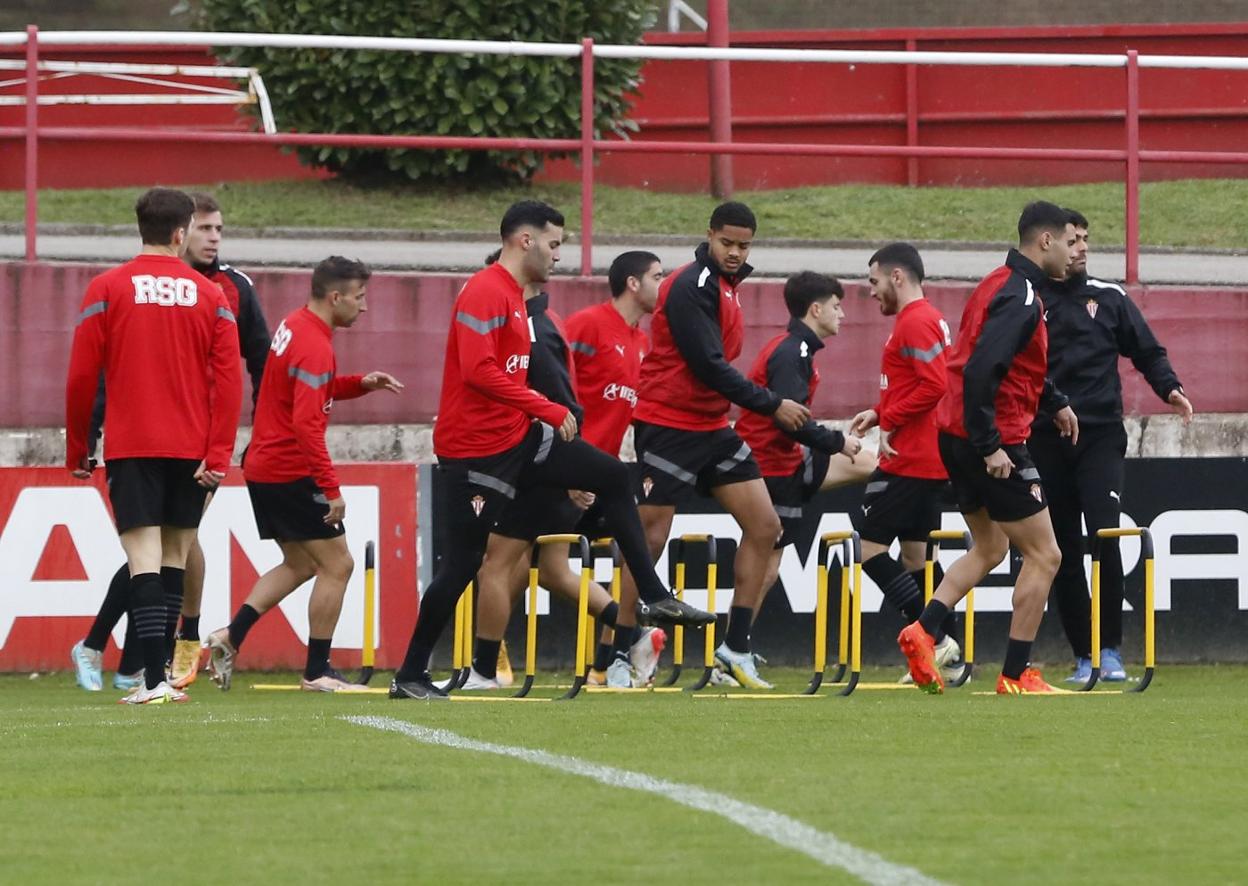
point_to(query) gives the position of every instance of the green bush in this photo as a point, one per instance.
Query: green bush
(395, 93)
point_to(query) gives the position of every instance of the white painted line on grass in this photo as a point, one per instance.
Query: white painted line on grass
(823, 847)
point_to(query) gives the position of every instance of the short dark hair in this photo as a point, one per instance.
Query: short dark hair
(732, 213)
(1040, 216)
(493, 257)
(899, 255)
(161, 211)
(628, 264)
(529, 212)
(1077, 218)
(805, 288)
(205, 203)
(332, 272)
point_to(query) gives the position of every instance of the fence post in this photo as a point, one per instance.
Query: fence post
(912, 115)
(1133, 167)
(32, 141)
(720, 96)
(587, 156)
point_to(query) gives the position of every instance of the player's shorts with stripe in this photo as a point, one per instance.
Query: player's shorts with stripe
(790, 493)
(292, 511)
(155, 492)
(538, 510)
(896, 507)
(1016, 497)
(675, 463)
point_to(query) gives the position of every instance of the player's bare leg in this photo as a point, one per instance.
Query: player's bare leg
(844, 472)
(750, 505)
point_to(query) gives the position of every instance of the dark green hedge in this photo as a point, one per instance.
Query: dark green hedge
(393, 93)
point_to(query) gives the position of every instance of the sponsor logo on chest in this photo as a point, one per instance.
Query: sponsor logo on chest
(615, 391)
(516, 362)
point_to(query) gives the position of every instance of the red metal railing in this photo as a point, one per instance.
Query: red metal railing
(587, 145)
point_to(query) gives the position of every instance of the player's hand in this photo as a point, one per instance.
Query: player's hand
(852, 447)
(886, 448)
(381, 381)
(999, 464)
(567, 430)
(791, 415)
(85, 466)
(1181, 405)
(1068, 424)
(582, 499)
(863, 422)
(337, 510)
(208, 479)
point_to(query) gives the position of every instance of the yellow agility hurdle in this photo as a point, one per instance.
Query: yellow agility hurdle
(850, 633)
(1150, 635)
(369, 653)
(461, 639)
(934, 538)
(678, 633)
(603, 548)
(580, 666)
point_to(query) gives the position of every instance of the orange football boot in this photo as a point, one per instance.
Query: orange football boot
(920, 651)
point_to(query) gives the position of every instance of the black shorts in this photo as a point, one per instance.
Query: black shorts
(673, 462)
(293, 511)
(790, 492)
(538, 510)
(1017, 497)
(896, 507)
(155, 492)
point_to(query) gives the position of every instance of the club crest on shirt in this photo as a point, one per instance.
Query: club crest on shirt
(478, 503)
(1036, 493)
(646, 485)
(1092, 306)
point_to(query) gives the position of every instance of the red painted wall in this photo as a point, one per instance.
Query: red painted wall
(775, 102)
(404, 332)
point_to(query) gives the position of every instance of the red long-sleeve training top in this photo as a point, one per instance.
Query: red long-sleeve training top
(912, 381)
(167, 342)
(486, 405)
(608, 354)
(299, 388)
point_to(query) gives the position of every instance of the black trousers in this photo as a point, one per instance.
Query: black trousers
(1084, 481)
(478, 490)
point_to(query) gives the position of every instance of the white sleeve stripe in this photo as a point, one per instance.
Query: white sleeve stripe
(1104, 284)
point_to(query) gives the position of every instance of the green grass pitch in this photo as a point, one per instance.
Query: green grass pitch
(276, 787)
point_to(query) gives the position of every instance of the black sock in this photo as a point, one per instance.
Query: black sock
(1017, 656)
(174, 580)
(933, 614)
(190, 628)
(113, 607)
(623, 641)
(737, 637)
(318, 657)
(609, 614)
(948, 627)
(602, 656)
(634, 634)
(244, 620)
(896, 584)
(147, 608)
(485, 662)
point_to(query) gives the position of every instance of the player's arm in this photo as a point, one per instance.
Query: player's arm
(477, 327)
(788, 376)
(694, 322)
(253, 334)
(1137, 342)
(348, 387)
(1012, 319)
(923, 347)
(226, 399)
(86, 362)
(313, 376)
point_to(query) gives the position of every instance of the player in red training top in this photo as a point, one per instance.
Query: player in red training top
(608, 348)
(203, 241)
(165, 339)
(683, 440)
(488, 444)
(995, 382)
(290, 478)
(799, 464)
(903, 496)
